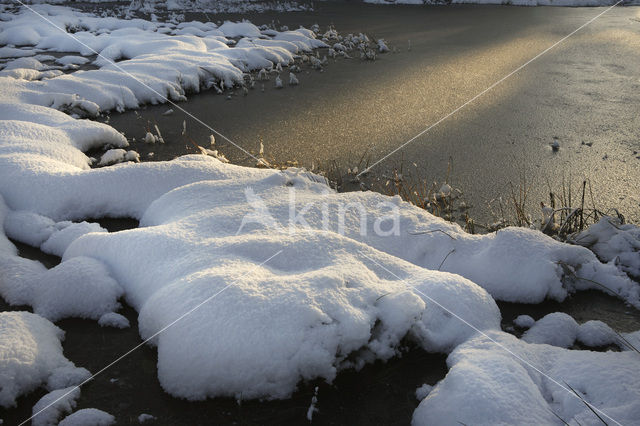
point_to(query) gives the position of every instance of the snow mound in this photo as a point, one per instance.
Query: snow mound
(596, 333)
(524, 321)
(80, 287)
(423, 391)
(143, 418)
(613, 242)
(325, 313)
(30, 353)
(67, 376)
(488, 385)
(67, 232)
(51, 407)
(88, 417)
(72, 60)
(112, 319)
(557, 329)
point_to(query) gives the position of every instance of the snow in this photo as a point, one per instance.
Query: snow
(66, 232)
(88, 417)
(613, 242)
(27, 63)
(153, 66)
(488, 385)
(143, 418)
(20, 36)
(72, 60)
(631, 341)
(239, 29)
(312, 407)
(13, 52)
(596, 333)
(51, 407)
(423, 391)
(112, 319)
(118, 155)
(308, 319)
(560, 329)
(67, 376)
(79, 288)
(30, 354)
(524, 321)
(557, 329)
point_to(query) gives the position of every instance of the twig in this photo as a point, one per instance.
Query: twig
(445, 258)
(431, 231)
(587, 404)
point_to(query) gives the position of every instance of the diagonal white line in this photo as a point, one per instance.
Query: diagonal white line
(488, 89)
(166, 99)
(189, 312)
(476, 329)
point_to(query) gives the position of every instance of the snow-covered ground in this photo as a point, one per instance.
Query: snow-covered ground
(268, 277)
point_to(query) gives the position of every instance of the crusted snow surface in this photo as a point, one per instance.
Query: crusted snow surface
(516, 382)
(30, 355)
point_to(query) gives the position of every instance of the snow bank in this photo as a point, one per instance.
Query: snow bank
(30, 353)
(488, 385)
(514, 264)
(325, 303)
(156, 61)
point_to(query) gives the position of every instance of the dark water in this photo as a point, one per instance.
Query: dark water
(585, 92)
